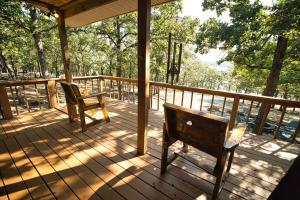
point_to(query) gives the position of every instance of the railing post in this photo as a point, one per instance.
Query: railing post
(234, 112)
(4, 103)
(52, 92)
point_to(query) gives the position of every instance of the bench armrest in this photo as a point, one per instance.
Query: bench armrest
(235, 136)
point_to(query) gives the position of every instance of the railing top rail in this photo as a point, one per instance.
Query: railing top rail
(259, 98)
(23, 82)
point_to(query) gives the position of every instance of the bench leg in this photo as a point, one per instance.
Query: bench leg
(164, 152)
(219, 171)
(164, 158)
(230, 161)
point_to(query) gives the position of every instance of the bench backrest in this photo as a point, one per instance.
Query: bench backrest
(203, 131)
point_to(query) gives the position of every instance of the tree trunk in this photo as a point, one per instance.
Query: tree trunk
(273, 78)
(5, 66)
(119, 57)
(37, 36)
(14, 68)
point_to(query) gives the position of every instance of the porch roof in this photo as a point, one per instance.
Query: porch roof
(82, 12)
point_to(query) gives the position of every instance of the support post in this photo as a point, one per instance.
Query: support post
(4, 103)
(144, 8)
(66, 57)
(52, 94)
(64, 46)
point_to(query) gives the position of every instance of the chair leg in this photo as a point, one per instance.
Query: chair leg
(71, 112)
(82, 118)
(105, 113)
(185, 148)
(103, 108)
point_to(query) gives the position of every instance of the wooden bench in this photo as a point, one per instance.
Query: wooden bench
(206, 132)
(73, 97)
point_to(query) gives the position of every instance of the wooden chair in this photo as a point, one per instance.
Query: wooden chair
(73, 98)
(206, 132)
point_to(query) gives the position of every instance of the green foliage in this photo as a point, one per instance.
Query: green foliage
(251, 35)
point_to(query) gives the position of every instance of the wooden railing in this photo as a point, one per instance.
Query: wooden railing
(236, 107)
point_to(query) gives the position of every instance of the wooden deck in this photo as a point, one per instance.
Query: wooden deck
(43, 156)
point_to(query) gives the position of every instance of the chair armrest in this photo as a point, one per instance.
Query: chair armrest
(234, 136)
(92, 95)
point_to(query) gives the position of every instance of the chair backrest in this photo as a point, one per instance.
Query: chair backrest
(203, 131)
(71, 91)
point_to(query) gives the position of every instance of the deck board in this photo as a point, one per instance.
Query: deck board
(43, 156)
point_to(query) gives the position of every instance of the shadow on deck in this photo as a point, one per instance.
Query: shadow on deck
(43, 156)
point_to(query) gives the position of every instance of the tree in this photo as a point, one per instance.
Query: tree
(256, 37)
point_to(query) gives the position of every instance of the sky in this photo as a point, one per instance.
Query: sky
(193, 8)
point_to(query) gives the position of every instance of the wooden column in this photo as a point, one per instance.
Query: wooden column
(4, 103)
(52, 92)
(64, 46)
(144, 8)
(66, 58)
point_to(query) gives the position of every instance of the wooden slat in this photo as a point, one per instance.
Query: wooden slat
(14, 100)
(276, 134)
(13, 182)
(201, 102)
(249, 112)
(191, 102)
(30, 176)
(223, 107)
(38, 96)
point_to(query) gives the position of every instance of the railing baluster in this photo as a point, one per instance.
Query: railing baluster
(174, 96)
(109, 88)
(191, 103)
(57, 94)
(262, 123)
(280, 122)
(47, 94)
(25, 99)
(158, 98)
(296, 132)
(92, 85)
(182, 97)
(212, 103)
(14, 100)
(223, 107)
(123, 88)
(133, 93)
(37, 96)
(166, 95)
(151, 96)
(249, 112)
(234, 111)
(201, 102)
(128, 91)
